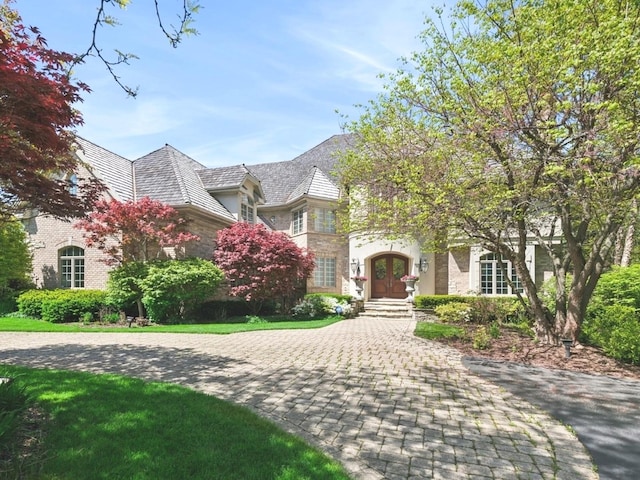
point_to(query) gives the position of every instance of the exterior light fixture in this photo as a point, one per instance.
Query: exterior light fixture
(422, 265)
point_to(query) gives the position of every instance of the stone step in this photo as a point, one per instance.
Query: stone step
(387, 309)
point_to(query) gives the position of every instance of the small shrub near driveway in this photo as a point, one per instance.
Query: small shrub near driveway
(454, 312)
(61, 306)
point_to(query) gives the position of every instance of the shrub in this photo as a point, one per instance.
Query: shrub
(311, 307)
(494, 309)
(340, 298)
(61, 306)
(619, 286)
(481, 338)
(319, 305)
(615, 328)
(432, 301)
(30, 302)
(174, 288)
(58, 306)
(454, 312)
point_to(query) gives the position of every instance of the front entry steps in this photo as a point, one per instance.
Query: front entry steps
(387, 308)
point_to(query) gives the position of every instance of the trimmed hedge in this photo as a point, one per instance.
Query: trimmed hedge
(340, 298)
(60, 306)
(430, 302)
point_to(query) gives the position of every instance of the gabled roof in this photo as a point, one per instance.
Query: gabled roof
(115, 171)
(283, 181)
(227, 178)
(169, 176)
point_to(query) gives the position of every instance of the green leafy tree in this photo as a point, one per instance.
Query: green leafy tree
(15, 261)
(519, 121)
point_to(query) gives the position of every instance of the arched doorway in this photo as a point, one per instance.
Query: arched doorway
(387, 271)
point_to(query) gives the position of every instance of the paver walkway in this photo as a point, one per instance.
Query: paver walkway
(384, 403)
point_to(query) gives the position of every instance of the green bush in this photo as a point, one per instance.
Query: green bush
(30, 302)
(174, 288)
(616, 329)
(312, 306)
(62, 306)
(13, 403)
(58, 306)
(430, 302)
(620, 286)
(316, 305)
(454, 312)
(481, 338)
(495, 309)
(339, 297)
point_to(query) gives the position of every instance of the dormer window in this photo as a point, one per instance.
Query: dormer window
(247, 209)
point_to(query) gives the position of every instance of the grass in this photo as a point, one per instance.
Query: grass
(433, 331)
(114, 427)
(17, 324)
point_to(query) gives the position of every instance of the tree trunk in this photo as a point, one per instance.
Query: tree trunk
(140, 308)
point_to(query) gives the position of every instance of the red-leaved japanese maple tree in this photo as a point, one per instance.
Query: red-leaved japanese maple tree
(261, 264)
(134, 230)
(37, 121)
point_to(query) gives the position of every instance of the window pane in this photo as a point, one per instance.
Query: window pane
(325, 272)
(380, 268)
(65, 273)
(486, 278)
(297, 224)
(325, 221)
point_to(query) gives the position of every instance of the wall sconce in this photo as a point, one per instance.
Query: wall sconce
(422, 265)
(355, 266)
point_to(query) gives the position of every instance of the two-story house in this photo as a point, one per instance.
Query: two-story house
(298, 197)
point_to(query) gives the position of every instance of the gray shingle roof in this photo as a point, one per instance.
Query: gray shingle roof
(284, 181)
(115, 171)
(169, 176)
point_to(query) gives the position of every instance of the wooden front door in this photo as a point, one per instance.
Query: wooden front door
(387, 272)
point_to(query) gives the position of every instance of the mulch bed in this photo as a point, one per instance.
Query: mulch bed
(513, 346)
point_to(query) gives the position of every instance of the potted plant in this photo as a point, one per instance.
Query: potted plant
(359, 281)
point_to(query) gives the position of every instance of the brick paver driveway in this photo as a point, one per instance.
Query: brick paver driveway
(384, 403)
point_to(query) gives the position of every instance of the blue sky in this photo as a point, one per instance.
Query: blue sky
(260, 83)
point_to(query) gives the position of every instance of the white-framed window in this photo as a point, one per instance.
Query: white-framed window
(324, 220)
(71, 267)
(325, 273)
(493, 280)
(297, 222)
(247, 209)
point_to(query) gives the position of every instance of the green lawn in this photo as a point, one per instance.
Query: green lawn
(13, 324)
(114, 427)
(433, 331)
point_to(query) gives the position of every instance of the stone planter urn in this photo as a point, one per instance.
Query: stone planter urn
(410, 286)
(359, 281)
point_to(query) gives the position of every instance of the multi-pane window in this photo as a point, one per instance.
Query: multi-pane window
(493, 276)
(247, 209)
(325, 273)
(72, 267)
(324, 220)
(297, 222)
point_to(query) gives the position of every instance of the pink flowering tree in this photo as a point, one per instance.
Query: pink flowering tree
(261, 264)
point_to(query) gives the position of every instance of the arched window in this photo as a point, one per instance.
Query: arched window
(493, 280)
(71, 267)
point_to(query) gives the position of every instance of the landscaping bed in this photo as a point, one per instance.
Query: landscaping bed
(514, 346)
